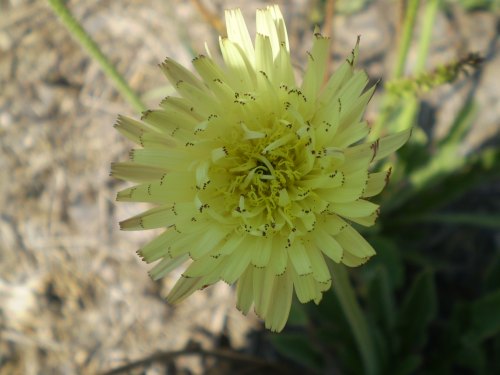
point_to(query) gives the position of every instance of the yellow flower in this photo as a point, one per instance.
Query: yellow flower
(257, 178)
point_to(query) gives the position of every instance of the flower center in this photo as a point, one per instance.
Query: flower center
(261, 173)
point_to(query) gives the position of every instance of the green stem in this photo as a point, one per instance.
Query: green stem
(355, 317)
(76, 29)
(412, 104)
(430, 12)
(391, 101)
(404, 44)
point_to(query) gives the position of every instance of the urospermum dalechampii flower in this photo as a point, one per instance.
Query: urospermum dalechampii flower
(257, 178)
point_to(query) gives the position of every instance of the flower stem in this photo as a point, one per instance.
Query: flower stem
(390, 101)
(430, 12)
(77, 31)
(355, 317)
(404, 44)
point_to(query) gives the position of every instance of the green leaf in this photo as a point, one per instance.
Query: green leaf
(488, 221)
(492, 274)
(389, 256)
(407, 365)
(418, 310)
(462, 123)
(443, 189)
(298, 315)
(473, 358)
(381, 299)
(485, 319)
(298, 348)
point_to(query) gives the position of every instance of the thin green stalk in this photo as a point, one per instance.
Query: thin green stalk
(355, 317)
(412, 104)
(391, 101)
(404, 44)
(430, 12)
(77, 31)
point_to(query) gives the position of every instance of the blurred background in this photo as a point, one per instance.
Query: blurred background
(76, 299)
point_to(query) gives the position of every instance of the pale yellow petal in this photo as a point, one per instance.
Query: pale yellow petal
(278, 311)
(306, 287)
(320, 269)
(328, 245)
(299, 258)
(237, 31)
(354, 243)
(201, 267)
(245, 290)
(376, 183)
(134, 172)
(358, 208)
(263, 288)
(175, 73)
(157, 217)
(316, 66)
(184, 287)
(261, 252)
(167, 265)
(387, 145)
(235, 264)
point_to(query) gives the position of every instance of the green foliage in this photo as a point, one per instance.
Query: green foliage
(297, 347)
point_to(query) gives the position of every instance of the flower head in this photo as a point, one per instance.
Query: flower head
(257, 178)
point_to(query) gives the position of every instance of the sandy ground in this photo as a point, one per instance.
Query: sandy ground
(74, 297)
